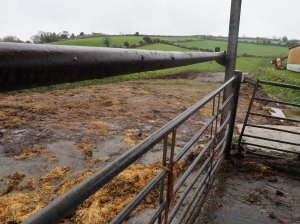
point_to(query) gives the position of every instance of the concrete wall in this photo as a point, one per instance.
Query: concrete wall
(293, 63)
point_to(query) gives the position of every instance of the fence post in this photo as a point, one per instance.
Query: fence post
(233, 36)
(234, 105)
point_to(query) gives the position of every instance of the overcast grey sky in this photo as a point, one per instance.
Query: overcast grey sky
(264, 18)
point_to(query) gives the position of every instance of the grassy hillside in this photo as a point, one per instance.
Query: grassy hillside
(251, 64)
(177, 38)
(119, 40)
(162, 47)
(243, 48)
(99, 41)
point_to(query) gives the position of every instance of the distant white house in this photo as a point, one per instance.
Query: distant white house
(293, 63)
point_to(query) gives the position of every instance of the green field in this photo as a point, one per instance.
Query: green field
(283, 76)
(177, 38)
(163, 47)
(253, 40)
(99, 41)
(243, 48)
(119, 40)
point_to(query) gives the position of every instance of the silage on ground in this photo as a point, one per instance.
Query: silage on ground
(99, 208)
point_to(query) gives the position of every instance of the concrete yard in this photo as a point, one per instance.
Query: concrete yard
(50, 141)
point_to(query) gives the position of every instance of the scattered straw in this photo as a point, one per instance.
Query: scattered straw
(16, 182)
(9, 121)
(51, 159)
(28, 153)
(254, 170)
(255, 167)
(132, 137)
(58, 173)
(29, 184)
(99, 128)
(42, 109)
(113, 197)
(18, 206)
(86, 148)
(101, 159)
(68, 185)
(99, 208)
(13, 182)
(253, 197)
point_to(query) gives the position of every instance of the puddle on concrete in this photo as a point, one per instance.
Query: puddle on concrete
(277, 112)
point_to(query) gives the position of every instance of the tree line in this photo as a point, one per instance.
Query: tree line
(46, 37)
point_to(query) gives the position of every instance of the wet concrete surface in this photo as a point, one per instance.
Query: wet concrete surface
(242, 194)
(275, 135)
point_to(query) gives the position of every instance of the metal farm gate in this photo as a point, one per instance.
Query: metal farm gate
(29, 65)
(268, 141)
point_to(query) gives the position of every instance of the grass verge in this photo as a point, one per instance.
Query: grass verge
(283, 76)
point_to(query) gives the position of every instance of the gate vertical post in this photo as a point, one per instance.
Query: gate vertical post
(233, 36)
(233, 109)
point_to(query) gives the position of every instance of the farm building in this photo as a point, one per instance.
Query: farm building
(293, 63)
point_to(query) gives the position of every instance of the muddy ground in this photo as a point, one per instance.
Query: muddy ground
(49, 139)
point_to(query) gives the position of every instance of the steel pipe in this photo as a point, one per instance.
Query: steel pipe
(275, 117)
(269, 147)
(277, 101)
(273, 129)
(284, 85)
(271, 140)
(31, 65)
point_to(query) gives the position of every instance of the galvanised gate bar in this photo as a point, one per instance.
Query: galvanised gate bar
(27, 65)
